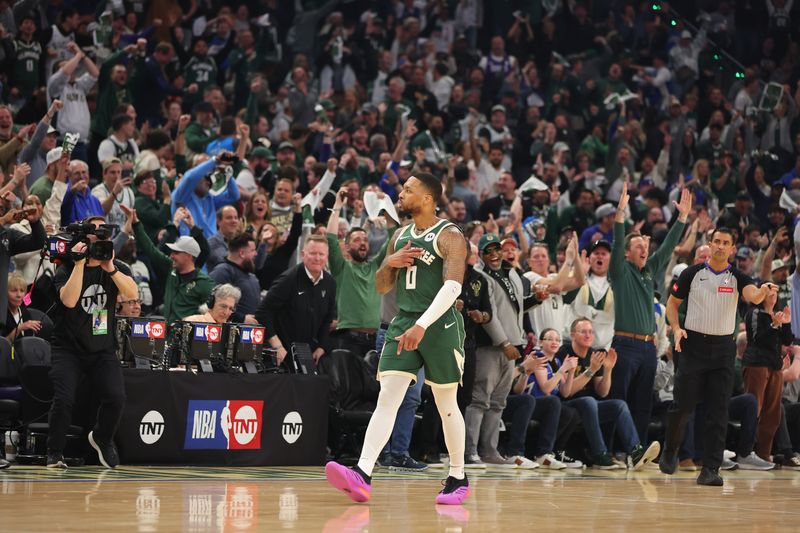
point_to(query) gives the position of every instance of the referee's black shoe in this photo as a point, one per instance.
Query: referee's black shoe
(709, 476)
(668, 462)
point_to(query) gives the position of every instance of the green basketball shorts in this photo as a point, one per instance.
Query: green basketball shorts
(441, 350)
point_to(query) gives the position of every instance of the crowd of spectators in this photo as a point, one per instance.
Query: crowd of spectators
(219, 135)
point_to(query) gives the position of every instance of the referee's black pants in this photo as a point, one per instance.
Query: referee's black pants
(105, 373)
(704, 373)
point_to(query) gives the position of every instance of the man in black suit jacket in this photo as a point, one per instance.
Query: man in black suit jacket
(301, 304)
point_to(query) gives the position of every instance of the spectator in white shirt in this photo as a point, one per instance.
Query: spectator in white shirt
(74, 117)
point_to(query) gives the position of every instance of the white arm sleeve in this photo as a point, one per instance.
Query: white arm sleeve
(443, 301)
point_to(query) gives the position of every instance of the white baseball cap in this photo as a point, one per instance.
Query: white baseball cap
(53, 155)
(185, 244)
(677, 270)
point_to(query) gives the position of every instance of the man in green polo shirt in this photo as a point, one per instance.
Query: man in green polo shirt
(632, 275)
(357, 300)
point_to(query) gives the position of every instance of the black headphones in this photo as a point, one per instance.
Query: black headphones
(212, 298)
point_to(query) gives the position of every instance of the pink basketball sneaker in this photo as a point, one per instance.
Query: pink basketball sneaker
(455, 491)
(351, 482)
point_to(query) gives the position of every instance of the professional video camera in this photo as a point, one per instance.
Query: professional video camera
(60, 246)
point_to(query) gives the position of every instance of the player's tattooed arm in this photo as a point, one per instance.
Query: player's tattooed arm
(454, 252)
(386, 275)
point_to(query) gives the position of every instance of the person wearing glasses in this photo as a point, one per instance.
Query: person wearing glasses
(129, 307)
(220, 306)
(586, 387)
(541, 375)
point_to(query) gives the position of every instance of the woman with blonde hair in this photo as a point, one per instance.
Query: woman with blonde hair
(18, 318)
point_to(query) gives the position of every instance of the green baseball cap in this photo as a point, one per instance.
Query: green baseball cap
(486, 240)
(262, 151)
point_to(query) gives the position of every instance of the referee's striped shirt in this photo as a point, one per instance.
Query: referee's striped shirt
(712, 298)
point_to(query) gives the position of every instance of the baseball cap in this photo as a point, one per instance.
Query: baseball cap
(560, 146)
(602, 243)
(406, 163)
(744, 253)
(604, 210)
(186, 245)
(262, 151)
(510, 241)
(499, 107)
(686, 34)
(487, 240)
(743, 195)
(677, 270)
(327, 104)
(51, 129)
(778, 264)
(285, 145)
(203, 107)
(110, 161)
(53, 155)
(646, 182)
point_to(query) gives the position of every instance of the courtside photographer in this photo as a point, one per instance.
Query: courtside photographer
(83, 341)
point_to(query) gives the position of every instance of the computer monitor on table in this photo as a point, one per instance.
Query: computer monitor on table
(141, 342)
(247, 346)
(205, 344)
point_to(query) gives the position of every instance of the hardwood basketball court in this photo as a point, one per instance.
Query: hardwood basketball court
(150, 499)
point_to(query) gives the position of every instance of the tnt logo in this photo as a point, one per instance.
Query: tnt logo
(209, 333)
(151, 427)
(253, 335)
(292, 427)
(150, 330)
(224, 425)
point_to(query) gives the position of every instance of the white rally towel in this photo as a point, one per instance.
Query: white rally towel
(315, 196)
(535, 184)
(374, 205)
(787, 203)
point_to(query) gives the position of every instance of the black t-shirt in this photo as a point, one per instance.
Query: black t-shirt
(583, 364)
(89, 326)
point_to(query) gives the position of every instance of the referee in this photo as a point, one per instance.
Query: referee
(707, 350)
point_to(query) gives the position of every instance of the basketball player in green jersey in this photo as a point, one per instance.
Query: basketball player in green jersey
(426, 260)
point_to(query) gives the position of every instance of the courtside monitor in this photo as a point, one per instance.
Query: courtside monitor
(206, 344)
(247, 344)
(141, 341)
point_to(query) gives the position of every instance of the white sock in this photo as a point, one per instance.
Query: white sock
(393, 390)
(453, 427)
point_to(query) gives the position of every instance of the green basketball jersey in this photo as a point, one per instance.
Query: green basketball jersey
(418, 284)
(26, 67)
(202, 71)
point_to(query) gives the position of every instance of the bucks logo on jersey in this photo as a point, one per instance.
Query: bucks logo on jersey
(418, 284)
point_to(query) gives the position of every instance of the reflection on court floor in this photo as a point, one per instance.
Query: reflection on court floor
(151, 499)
